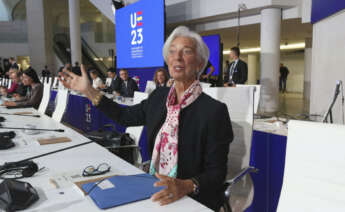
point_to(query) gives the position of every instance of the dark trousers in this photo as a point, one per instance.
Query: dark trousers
(282, 84)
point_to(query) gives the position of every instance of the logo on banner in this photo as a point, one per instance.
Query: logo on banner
(137, 50)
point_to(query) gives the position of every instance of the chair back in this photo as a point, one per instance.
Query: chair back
(61, 104)
(9, 84)
(240, 104)
(150, 86)
(205, 85)
(135, 132)
(108, 81)
(314, 168)
(45, 98)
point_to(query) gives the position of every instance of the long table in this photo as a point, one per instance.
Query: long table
(71, 161)
(267, 150)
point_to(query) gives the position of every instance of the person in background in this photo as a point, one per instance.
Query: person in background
(97, 82)
(226, 68)
(188, 131)
(284, 72)
(238, 71)
(127, 85)
(115, 81)
(206, 76)
(14, 85)
(161, 77)
(22, 89)
(13, 63)
(76, 68)
(45, 72)
(34, 96)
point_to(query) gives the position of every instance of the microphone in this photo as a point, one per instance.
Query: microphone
(19, 128)
(337, 89)
(29, 115)
(9, 134)
(16, 163)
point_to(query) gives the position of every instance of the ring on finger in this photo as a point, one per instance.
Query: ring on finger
(171, 195)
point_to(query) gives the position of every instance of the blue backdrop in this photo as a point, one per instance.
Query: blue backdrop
(324, 8)
(140, 34)
(213, 44)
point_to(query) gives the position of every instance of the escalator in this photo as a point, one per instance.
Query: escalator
(62, 50)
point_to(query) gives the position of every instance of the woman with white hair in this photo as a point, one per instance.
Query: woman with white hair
(188, 132)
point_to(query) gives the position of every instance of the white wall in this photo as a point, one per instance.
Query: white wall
(328, 63)
(13, 49)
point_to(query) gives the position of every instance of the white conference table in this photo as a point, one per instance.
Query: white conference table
(70, 198)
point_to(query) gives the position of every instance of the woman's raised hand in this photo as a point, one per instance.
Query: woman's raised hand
(75, 82)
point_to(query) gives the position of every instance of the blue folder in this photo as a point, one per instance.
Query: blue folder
(126, 189)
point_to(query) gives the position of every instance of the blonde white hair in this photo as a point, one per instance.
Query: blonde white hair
(202, 50)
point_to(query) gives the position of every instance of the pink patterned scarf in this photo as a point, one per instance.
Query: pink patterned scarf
(165, 152)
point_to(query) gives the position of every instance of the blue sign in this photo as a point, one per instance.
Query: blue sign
(140, 34)
(213, 44)
(324, 8)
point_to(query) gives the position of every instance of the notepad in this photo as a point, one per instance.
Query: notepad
(22, 113)
(120, 190)
(44, 141)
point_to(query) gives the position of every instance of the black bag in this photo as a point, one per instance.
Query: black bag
(6, 143)
(16, 195)
(114, 140)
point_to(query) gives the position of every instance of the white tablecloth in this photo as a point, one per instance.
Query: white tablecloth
(71, 161)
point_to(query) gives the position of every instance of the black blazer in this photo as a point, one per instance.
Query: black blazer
(129, 90)
(205, 133)
(240, 74)
(115, 85)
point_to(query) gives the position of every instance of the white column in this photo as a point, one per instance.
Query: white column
(270, 56)
(39, 35)
(74, 30)
(307, 68)
(252, 68)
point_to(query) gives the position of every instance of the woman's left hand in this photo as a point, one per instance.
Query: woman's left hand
(175, 189)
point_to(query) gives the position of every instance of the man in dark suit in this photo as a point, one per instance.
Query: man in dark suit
(238, 70)
(115, 81)
(284, 72)
(13, 63)
(127, 85)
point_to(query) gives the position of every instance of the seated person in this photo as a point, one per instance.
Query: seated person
(127, 85)
(97, 83)
(14, 86)
(115, 81)
(34, 96)
(22, 89)
(161, 77)
(188, 143)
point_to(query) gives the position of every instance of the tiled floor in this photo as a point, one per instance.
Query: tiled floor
(292, 104)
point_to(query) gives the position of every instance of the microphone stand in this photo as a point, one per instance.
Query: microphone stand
(14, 164)
(36, 116)
(19, 128)
(329, 111)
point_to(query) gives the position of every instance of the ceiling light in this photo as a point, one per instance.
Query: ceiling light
(282, 47)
